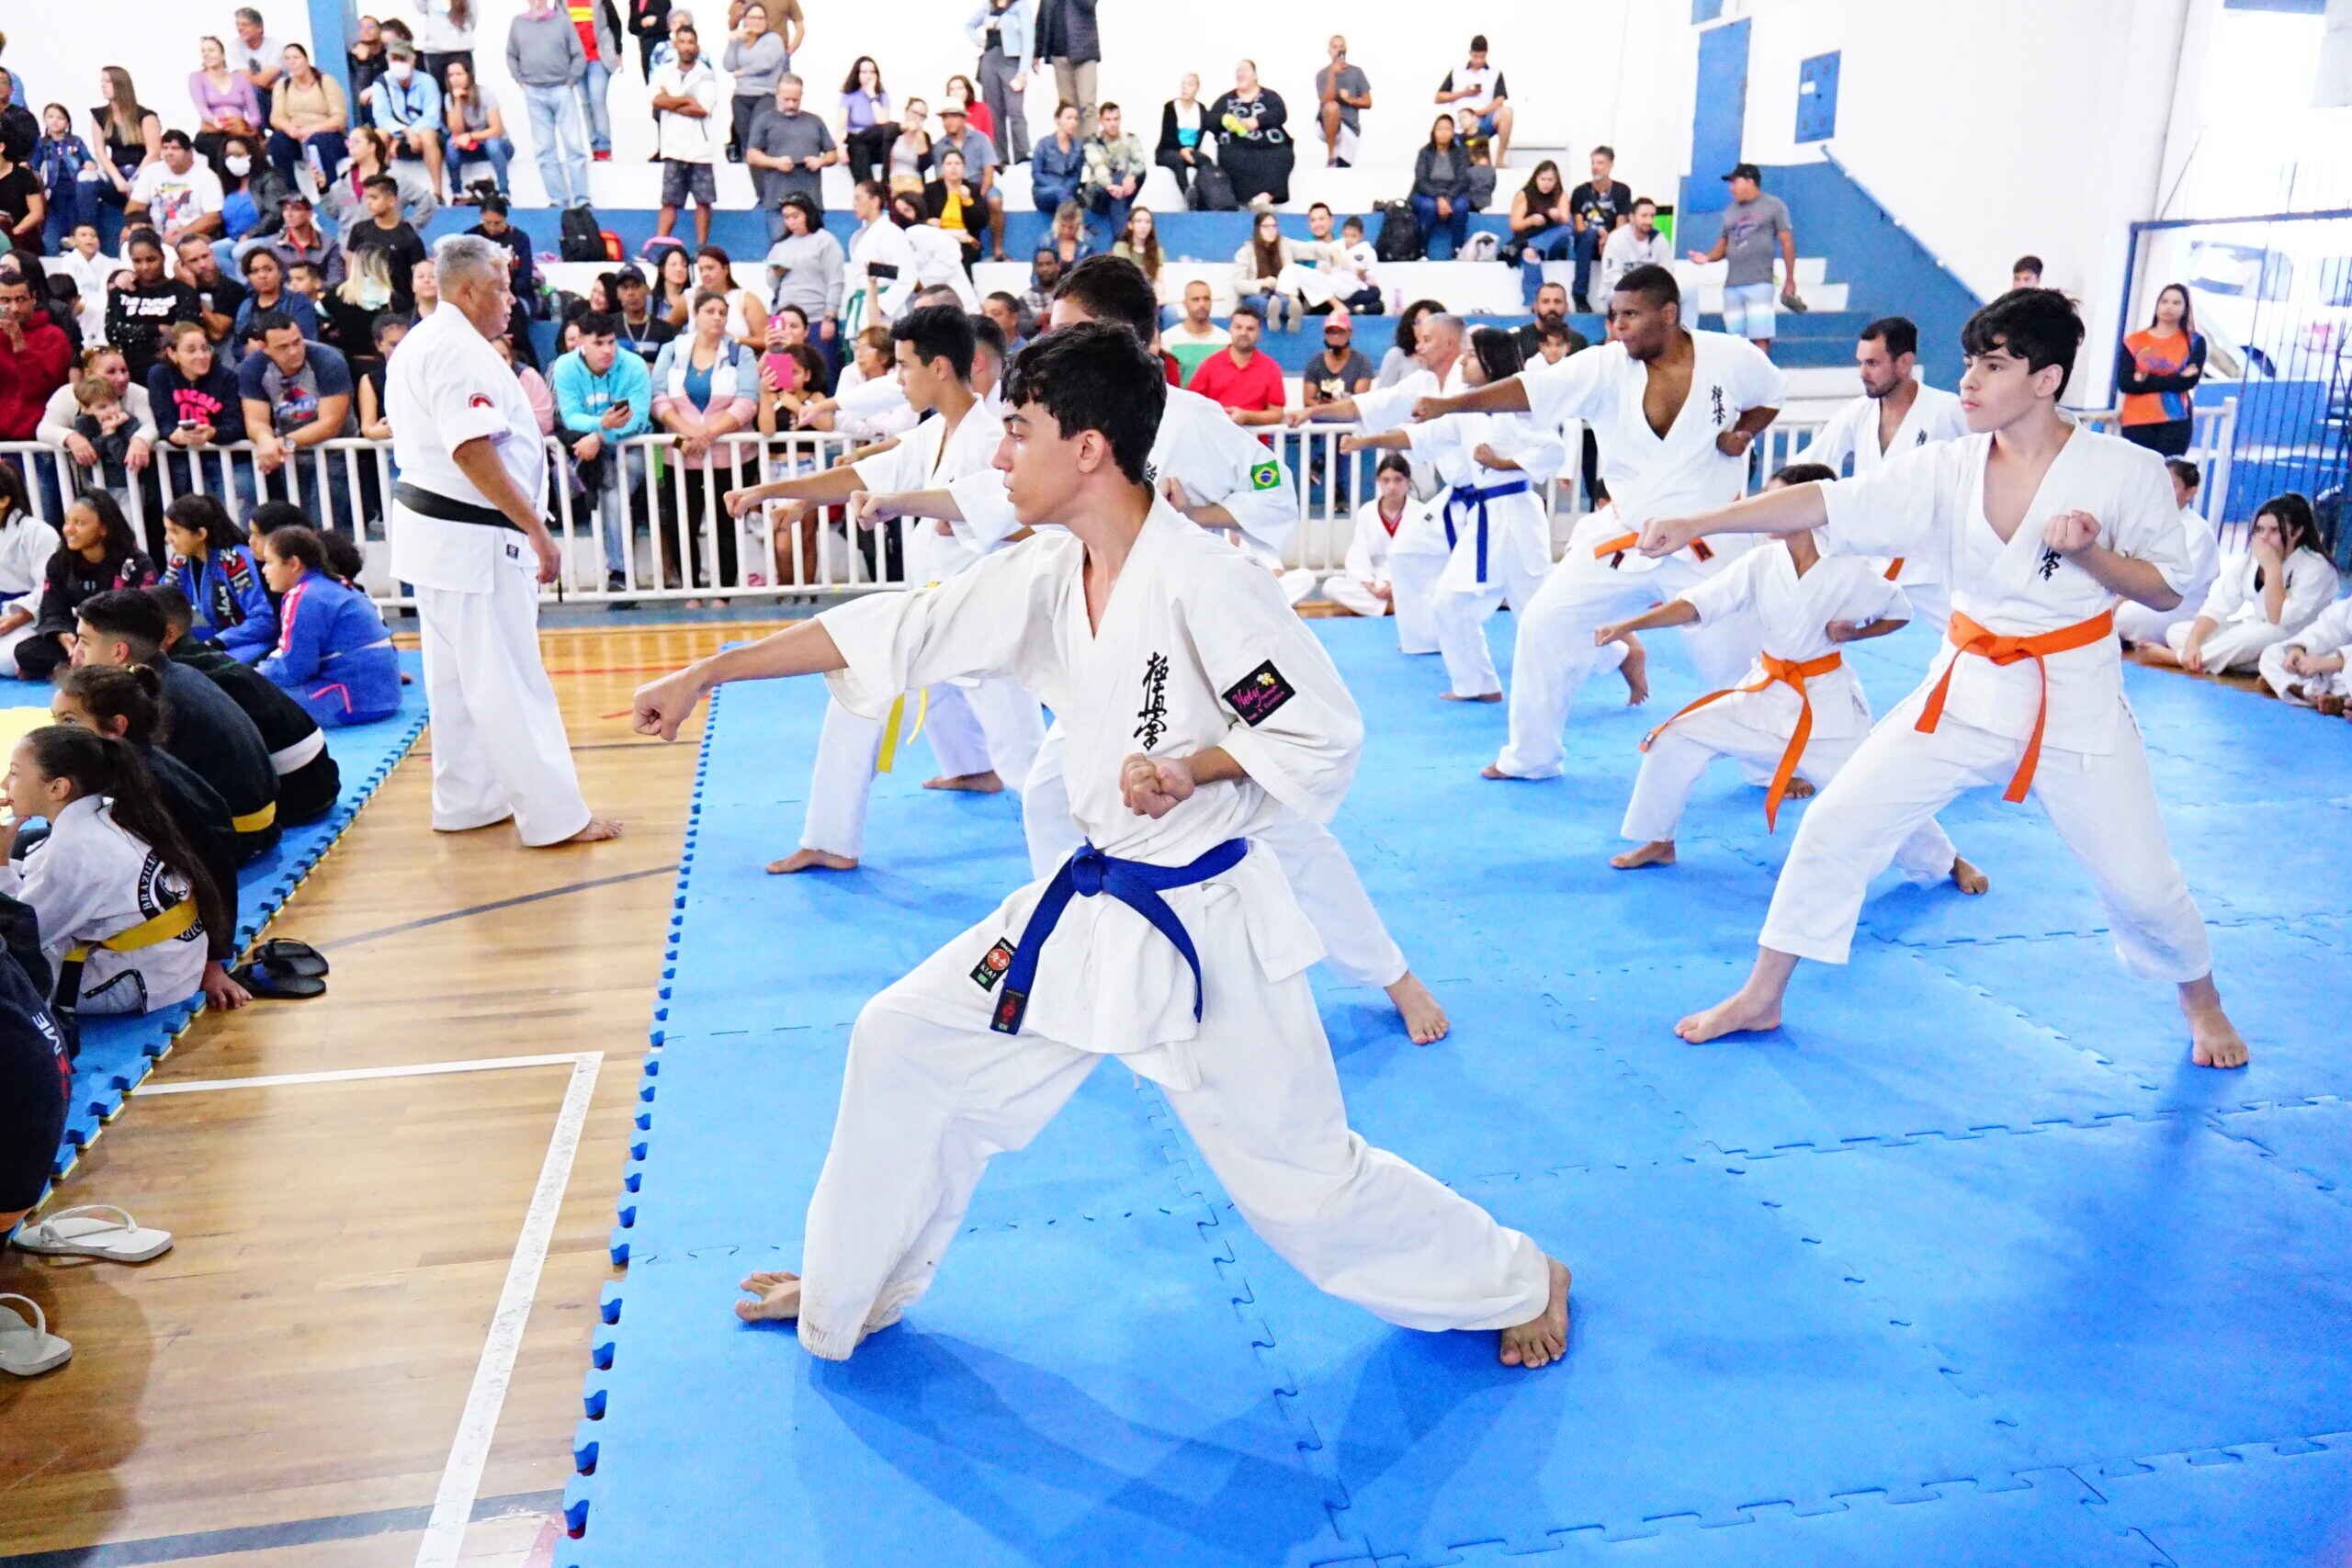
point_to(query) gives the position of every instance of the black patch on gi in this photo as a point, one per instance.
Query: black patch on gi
(1258, 695)
(992, 965)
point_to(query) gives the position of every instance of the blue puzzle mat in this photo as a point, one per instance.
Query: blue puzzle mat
(118, 1053)
(1963, 1265)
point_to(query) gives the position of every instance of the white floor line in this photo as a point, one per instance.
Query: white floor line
(356, 1075)
(453, 1504)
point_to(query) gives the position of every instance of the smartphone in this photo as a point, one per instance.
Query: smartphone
(885, 270)
(188, 425)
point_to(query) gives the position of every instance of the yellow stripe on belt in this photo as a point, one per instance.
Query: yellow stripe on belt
(254, 821)
(174, 921)
(891, 738)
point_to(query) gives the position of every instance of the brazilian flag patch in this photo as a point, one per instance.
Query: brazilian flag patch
(1266, 476)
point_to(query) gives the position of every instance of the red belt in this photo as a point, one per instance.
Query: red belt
(1792, 675)
(1969, 637)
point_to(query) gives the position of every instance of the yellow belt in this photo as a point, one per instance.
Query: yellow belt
(254, 821)
(174, 921)
(891, 738)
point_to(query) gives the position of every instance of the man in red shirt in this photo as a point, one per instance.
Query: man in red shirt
(34, 357)
(1247, 383)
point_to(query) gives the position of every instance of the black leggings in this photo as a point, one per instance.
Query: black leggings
(868, 150)
(2168, 437)
(35, 1081)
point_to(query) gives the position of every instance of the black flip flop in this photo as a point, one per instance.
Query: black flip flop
(268, 981)
(291, 957)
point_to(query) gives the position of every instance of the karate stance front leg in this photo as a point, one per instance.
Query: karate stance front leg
(1460, 615)
(1412, 580)
(1553, 655)
(840, 783)
(952, 725)
(1355, 940)
(1670, 768)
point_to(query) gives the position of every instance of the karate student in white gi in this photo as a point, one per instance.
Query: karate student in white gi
(983, 733)
(1895, 413)
(2310, 669)
(2137, 625)
(1362, 586)
(466, 529)
(2043, 527)
(1498, 532)
(2260, 599)
(1220, 477)
(1675, 412)
(1801, 711)
(1198, 707)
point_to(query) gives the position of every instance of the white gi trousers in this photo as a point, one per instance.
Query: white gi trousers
(1355, 941)
(1460, 615)
(2236, 646)
(2137, 623)
(1412, 577)
(1671, 768)
(1554, 654)
(972, 729)
(1341, 590)
(499, 745)
(2103, 805)
(2300, 689)
(925, 1105)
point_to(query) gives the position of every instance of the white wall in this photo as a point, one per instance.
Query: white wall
(58, 47)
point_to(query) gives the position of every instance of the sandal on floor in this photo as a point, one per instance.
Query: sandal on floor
(273, 982)
(94, 1230)
(294, 957)
(29, 1350)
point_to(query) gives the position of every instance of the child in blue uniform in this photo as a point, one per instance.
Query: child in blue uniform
(334, 655)
(210, 564)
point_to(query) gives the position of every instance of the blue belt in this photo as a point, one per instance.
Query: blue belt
(1137, 883)
(1463, 497)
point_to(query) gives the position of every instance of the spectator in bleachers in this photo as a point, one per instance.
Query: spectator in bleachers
(250, 188)
(26, 545)
(953, 204)
(19, 128)
(60, 159)
(807, 266)
(1398, 362)
(1542, 228)
(1138, 242)
(367, 376)
(211, 566)
(477, 125)
(1340, 371)
(2137, 623)
(225, 99)
(868, 128)
(599, 32)
(747, 318)
(1441, 189)
(58, 416)
(98, 552)
(300, 239)
(1253, 147)
(216, 295)
(523, 275)
(1005, 311)
(1475, 91)
(265, 290)
(960, 90)
(176, 194)
(425, 288)
(364, 61)
(1193, 336)
(348, 311)
(1342, 92)
(24, 204)
(755, 57)
(35, 358)
(1342, 277)
(139, 312)
(1069, 238)
(788, 149)
(372, 158)
(685, 108)
(1000, 30)
(534, 385)
(1600, 206)
(648, 23)
(444, 36)
(194, 394)
(910, 154)
(1751, 223)
(549, 62)
(2265, 596)
(258, 56)
(979, 165)
(604, 397)
(1057, 168)
(102, 421)
(1638, 242)
(296, 394)
(332, 655)
(1067, 38)
(1183, 121)
(2157, 370)
(2026, 272)
(91, 269)
(1551, 312)
(1257, 269)
(1114, 171)
(406, 106)
(1246, 383)
(705, 388)
(385, 230)
(642, 329)
(130, 137)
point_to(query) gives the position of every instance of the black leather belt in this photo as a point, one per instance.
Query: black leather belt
(424, 504)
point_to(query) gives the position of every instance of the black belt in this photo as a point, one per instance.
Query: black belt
(424, 504)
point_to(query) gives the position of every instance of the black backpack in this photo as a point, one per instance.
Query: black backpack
(1400, 233)
(582, 238)
(1213, 190)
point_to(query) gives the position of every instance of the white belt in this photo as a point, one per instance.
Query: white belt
(302, 753)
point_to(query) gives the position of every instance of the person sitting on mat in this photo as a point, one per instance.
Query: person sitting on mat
(126, 704)
(334, 655)
(27, 545)
(125, 905)
(308, 779)
(210, 565)
(203, 726)
(100, 552)
(268, 519)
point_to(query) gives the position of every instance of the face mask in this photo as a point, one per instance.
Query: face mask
(401, 72)
(238, 165)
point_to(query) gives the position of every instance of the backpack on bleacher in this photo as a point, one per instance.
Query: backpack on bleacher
(1400, 233)
(1213, 190)
(583, 240)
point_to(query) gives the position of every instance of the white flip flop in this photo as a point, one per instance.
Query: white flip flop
(95, 1230)
(29, 1350)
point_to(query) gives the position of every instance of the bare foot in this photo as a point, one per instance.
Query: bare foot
(599, 829)
(1737, 1013)
(1492, 772)
(1800, 788)
(779, 1298)
(1481, 697)
(975, 784)
(2214, 1039)
(1657, 851)
(1424, 1020)
(810, 859)
(1543, 1339)
(2329, 704)
(1967, 878)
(1636, 670)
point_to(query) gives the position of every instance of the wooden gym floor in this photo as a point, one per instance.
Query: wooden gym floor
(316, 1364)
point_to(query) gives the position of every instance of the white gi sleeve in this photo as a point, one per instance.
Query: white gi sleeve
(1365, 559)
(1386, 407)
(1255, 483)
(1833, 444)
(1728, 592)
(66, 903)
(986, 504)
(2331, 632)
(2228, 593)
(2146, 526)
(2204, 547)
(1439, 441)
(868, 399)
(896, 469)
(465, 406)
(2310, 590)
(1576, 388)
(1897, 509)
(1884, 601)
(994, 618)
(1295, 729)
(1757, 382)
(1537, 449)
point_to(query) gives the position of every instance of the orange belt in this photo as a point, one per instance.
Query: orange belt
(1793, 676)
(1623, 542)
(1895, 568)
(1969, 637)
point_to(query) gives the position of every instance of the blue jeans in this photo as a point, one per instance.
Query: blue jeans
(1267, 305)
(554, 134)
(329, 148)
(1531, 251)
(1112, 211)
(624, 475)
(1456, 229)
(1589, 245)
(592, 105)
(496, 151)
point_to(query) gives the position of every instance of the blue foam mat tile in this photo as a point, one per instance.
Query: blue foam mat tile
(2281, 1504)
(2249, 864)
(1074, 1394)
(2134, 1287)
(1715, 1363)
(2312, 1137)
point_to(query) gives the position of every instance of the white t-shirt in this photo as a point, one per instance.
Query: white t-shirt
(683, 138)
(1625, 250)
(443, 386)
(1485, 83)
(269, 54)
(173, 199)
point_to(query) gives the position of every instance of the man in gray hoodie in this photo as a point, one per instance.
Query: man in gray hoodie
(545, 57)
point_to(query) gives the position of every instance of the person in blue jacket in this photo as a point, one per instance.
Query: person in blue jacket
(602, 398)
(210, 563)
(334, 655)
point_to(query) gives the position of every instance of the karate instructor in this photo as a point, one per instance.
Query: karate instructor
(466, 530)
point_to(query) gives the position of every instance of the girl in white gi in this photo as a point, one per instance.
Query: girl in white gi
(2043, 525)
(26, 545)
(1498, 534)
(1363, 586)
(2309, 670)
(123, 901)
(1675, 412)
(1800, 712)
(880, 274)
(1195, 700)
(1895, 413)
(2136, 624)
(2261, 598)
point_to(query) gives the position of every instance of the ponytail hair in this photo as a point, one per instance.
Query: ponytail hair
(301, 544)
(97, 764)
(200, 514)
(133, 693)
(345, 559)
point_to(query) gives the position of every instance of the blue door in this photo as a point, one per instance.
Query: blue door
(1716, 119)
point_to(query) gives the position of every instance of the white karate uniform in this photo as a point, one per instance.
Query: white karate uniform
(91, 879)
(1367, 562)
(878, 242)
(939, 260)
(499, 744)
(2243, 625)
(2329, 632)
(2093, 780)
(1518, 535)
(1196, 638)
(2137, 623)
(973, 727)
(1649, 476)
(1793, 613)
(1853, 433)
(1418, 556)
(871, 411)
(26, 545)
